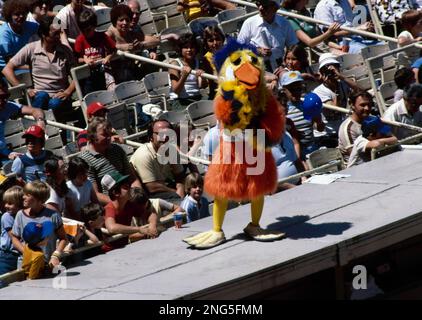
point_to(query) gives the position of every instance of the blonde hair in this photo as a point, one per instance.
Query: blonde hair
(14, 195)
(193, 180)
(38, 189)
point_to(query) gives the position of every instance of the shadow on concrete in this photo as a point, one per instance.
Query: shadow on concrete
(298, 227)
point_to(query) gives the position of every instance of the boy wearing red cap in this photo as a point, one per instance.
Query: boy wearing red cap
(30, 166)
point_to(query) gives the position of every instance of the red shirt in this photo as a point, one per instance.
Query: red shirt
(99, 45)
(125, 216)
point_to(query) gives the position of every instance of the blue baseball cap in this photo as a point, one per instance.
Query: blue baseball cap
(290, 77)
(373, 124)
(34, 232)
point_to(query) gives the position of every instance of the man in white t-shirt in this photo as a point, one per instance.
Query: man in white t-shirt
(269, 32)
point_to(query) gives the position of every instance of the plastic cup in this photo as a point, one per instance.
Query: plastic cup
(71, 228)
(178, 220)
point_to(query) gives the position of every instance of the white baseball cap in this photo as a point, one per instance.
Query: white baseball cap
(327, 58)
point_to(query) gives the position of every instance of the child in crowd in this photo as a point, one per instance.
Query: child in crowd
(374, 135)
(93, 216)
(78, 183)
(213, 39)
(13, 202)
(296, 59)
(61, 198)
(34, 195)
(195, 205)
(36, 237)
(403, 78)
(95, 49)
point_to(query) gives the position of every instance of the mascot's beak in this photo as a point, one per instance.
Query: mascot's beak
(248, 75)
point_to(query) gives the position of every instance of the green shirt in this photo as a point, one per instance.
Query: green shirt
(309, 28)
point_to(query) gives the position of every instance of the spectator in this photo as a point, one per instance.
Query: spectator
(9, 109)
(185, 87)
(213, 39)
(374, 134)
(296, 59)
(412, 25)
(96, 109)
(50, 63)
(361, 103)
(148, 162)
(389, 11)
(79, 185)
(16, 32)
(13, 202)
(68, 18)
(30, 166)
(195, 205)
(37, 10)
(292, 87)
(104, 157)
(403, 78)
(123, 206)
(340, 11)
(269, 32)
(35, 194)
(96, 50)
(36, 237)
(334, 90)
(308, 33)
(287, 162)
(202, 8)
(93, 216)
(61, 197)
(406, 111)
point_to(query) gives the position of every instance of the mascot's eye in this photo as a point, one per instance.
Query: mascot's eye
(237, 61)
(254, 60)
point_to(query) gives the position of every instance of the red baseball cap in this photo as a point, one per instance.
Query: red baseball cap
(34, 131)
(95, 107)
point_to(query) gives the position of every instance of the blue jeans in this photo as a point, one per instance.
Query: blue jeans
(8, 262)
(43, 101)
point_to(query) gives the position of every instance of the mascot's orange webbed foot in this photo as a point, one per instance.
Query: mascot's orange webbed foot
(259, 234)
(206, 240)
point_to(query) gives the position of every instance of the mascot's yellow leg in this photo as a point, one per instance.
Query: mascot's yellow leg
(257, 205)
(212, 238)
(218, 213)
(254, 230)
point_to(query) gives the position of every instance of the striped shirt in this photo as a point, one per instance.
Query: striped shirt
(347, 134)
(303, 126)
(100, 165)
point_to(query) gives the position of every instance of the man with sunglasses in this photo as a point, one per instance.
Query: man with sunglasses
(8, 109)
(269, 32)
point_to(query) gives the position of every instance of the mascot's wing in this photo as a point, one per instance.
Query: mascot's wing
(272, 121)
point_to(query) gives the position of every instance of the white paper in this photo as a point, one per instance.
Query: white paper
(326, 178)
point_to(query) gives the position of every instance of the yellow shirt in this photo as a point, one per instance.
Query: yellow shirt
(33, 263)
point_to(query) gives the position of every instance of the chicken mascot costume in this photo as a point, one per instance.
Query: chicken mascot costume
(243, 102)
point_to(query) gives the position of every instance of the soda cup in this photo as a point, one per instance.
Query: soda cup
(71, 228)
(178, 220)
(345, 45)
